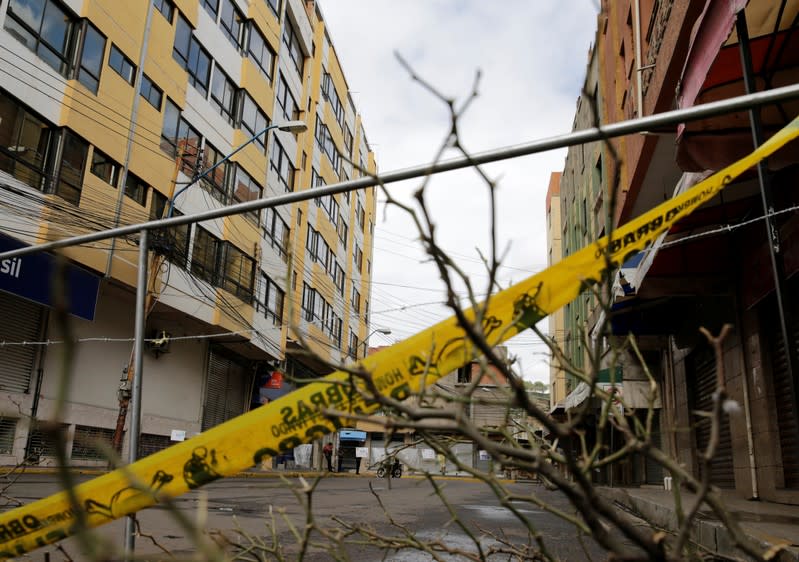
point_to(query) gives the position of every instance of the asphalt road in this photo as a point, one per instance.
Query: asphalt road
(346, 508)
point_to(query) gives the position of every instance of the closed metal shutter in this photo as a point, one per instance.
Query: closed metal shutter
(654, 471)
(21, 322)
(783, 393)
(701, 373)
(225, 390)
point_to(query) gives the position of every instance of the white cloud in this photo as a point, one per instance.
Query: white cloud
(532, 56)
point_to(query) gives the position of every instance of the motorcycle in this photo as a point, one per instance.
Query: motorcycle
(386, 467)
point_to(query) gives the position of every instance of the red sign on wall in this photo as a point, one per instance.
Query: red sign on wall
(275, 381)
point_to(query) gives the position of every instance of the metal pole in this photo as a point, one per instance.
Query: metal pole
(138, 350)
(134, 113)
(772, 234)
(648, 123)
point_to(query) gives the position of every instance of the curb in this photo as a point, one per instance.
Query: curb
(711, 535)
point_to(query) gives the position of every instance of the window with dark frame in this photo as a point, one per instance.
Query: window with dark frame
(253, 120)
(292, 42)
(122, 64)
(204, 255)
(238, 272)
(245, 188)
(280, 163)
(178, 137)
(211, 6)
(276, 231)
(136, 188)
(172, 242)
(74, 152)
(260, 51)
(286, 102)
(151, 92)
(191, 56)
(166, 7)
(105, 168)
(232, 23)
(91, 57)
(25, 143)
(47, 28)
(216, 183)
(223, 95)
(275, 5)
(271, 299)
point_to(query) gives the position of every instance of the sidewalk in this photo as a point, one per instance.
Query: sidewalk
(770, 524)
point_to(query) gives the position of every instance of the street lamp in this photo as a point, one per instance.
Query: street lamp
(384, 331)
(290, 126)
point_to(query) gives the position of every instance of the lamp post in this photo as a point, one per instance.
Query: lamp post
(384, 331)
(291, 126)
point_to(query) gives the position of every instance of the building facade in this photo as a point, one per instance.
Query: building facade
(714, 267)
(557, 376)
(109, 112)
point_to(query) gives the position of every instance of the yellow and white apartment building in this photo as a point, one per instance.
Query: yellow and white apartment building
(108, 110)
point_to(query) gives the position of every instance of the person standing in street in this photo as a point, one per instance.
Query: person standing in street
(327, 450)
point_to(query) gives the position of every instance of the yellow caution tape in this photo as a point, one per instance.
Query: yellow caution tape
(398, 371)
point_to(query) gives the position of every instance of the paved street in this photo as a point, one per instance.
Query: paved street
(246, 503)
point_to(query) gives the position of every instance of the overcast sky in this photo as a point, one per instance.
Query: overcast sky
(532, 55)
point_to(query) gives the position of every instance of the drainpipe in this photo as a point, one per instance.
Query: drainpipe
(639, 98)
(750, 442)
(134, 113)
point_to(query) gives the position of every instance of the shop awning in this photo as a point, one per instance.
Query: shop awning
(713, 72)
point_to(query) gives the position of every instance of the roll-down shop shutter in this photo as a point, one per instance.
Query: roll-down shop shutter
(701, 372)
(21, 323)
(783, 389)
(225, 389)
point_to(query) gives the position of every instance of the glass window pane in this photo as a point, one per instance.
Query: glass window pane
(30, 12)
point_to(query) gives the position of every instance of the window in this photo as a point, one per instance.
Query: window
(357, 256)
(353, 347)
(338, 278)
(308, 297)
(136, 188)
(232, 23)
(191, 56)
(246, 189)
(329, 92)
(275, 5)
(166, 7)
(25, 142)
(270, 299)
(74, 151)
(203, 255)
(172, 242)
(326, 144)
(122, 64)
(211, 6)
(152, 93)
(342, 228)
(223, 95)
(91, 57)
(180, 138)
(311, 243)
(291, 41)
(260, 52)
(279, 161)
(238, 272)
(276, 231)
(253, 120)
(356, 300)
(465, 374)
(348, 140)
(361, 214)
(216, 182)
(286, 101)
(105, 168)
(44, 27)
